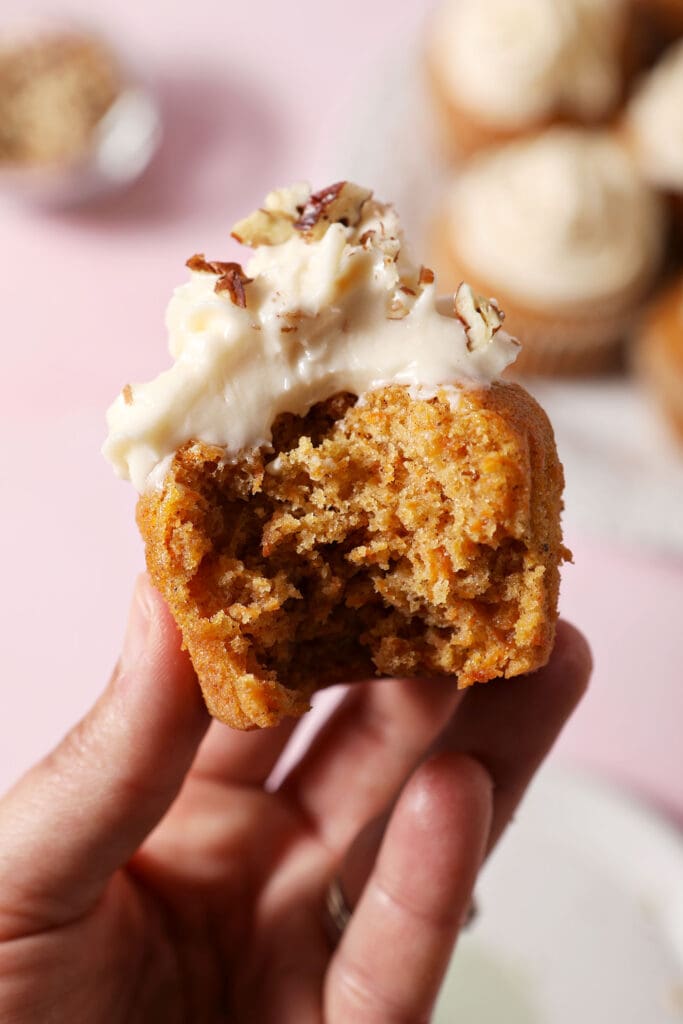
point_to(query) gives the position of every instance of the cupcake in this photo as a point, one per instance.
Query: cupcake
(334, 481)
(653, 126)
(659, 354)
(561, 229)
(501, 69)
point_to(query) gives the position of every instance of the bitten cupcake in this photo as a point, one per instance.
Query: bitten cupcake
(501, 69)
(659, 354)
(334, 481)
(654, 127)
(562, 230)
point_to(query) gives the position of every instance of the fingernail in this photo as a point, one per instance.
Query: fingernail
(138, 629)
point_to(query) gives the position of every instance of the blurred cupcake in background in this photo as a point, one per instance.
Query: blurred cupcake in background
(500, 69)
(653, 125)
(664, 17)
(73, 122)
(659, 354)
(561, 229)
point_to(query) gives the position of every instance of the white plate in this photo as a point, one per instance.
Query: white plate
(624, 470)
(581, 916)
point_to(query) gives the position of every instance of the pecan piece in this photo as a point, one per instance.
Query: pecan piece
(341, 203)
(264, 227)
(482, 318)
(231, 277)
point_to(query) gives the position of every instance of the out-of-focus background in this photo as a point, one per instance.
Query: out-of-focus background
(199, 112)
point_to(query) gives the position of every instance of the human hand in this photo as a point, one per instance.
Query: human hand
(147, 875)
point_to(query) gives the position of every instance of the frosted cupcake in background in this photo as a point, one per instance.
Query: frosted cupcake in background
(654, 127)
(564, 232)
(499, 69)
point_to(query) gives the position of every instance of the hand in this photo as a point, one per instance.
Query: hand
(147, 875)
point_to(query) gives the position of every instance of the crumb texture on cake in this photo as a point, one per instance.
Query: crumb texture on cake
(395, 536)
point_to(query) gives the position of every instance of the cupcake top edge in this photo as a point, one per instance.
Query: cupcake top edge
(560, 221)
(330, 301)
(513, 64)
(654, 121)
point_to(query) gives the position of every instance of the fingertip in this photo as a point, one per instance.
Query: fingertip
(150, 601)
(447, 784)
(154, 667)
(571, 662)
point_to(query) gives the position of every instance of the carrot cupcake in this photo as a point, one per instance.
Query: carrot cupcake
(654, 127)
(501, 69)
(659, 354)
(562, 230)
(334, 481)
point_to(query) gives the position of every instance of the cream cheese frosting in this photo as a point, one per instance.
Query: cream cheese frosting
(329, 302)
(655, 118)
(514, 63)
(560, 219)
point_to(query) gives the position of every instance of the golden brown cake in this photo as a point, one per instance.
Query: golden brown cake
(334, 481)
(659, 354)
(562, 230)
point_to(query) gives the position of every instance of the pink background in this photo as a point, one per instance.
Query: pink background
(254, 95)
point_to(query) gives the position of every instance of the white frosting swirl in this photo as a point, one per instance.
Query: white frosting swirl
(559, 219)
(348, 312)
(655, 118)
(515, 63)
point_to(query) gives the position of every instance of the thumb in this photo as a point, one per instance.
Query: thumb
(83, 811)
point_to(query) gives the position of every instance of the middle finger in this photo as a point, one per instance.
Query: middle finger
(361, 757)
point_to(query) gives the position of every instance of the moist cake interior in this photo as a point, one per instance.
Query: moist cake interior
(391, 536)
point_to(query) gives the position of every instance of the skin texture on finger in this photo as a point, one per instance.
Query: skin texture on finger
(241, 758)
(82, 811)
(362, 755)
(510, 725)
(392, 957)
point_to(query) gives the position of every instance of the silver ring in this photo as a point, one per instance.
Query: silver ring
(337, 911)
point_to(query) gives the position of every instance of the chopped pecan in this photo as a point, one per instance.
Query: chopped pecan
(200, 263)
(426, 276)
(264, 227)
(231, 277)
(127, 393)
(341, 203)
(481, 317)
(233, 281)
